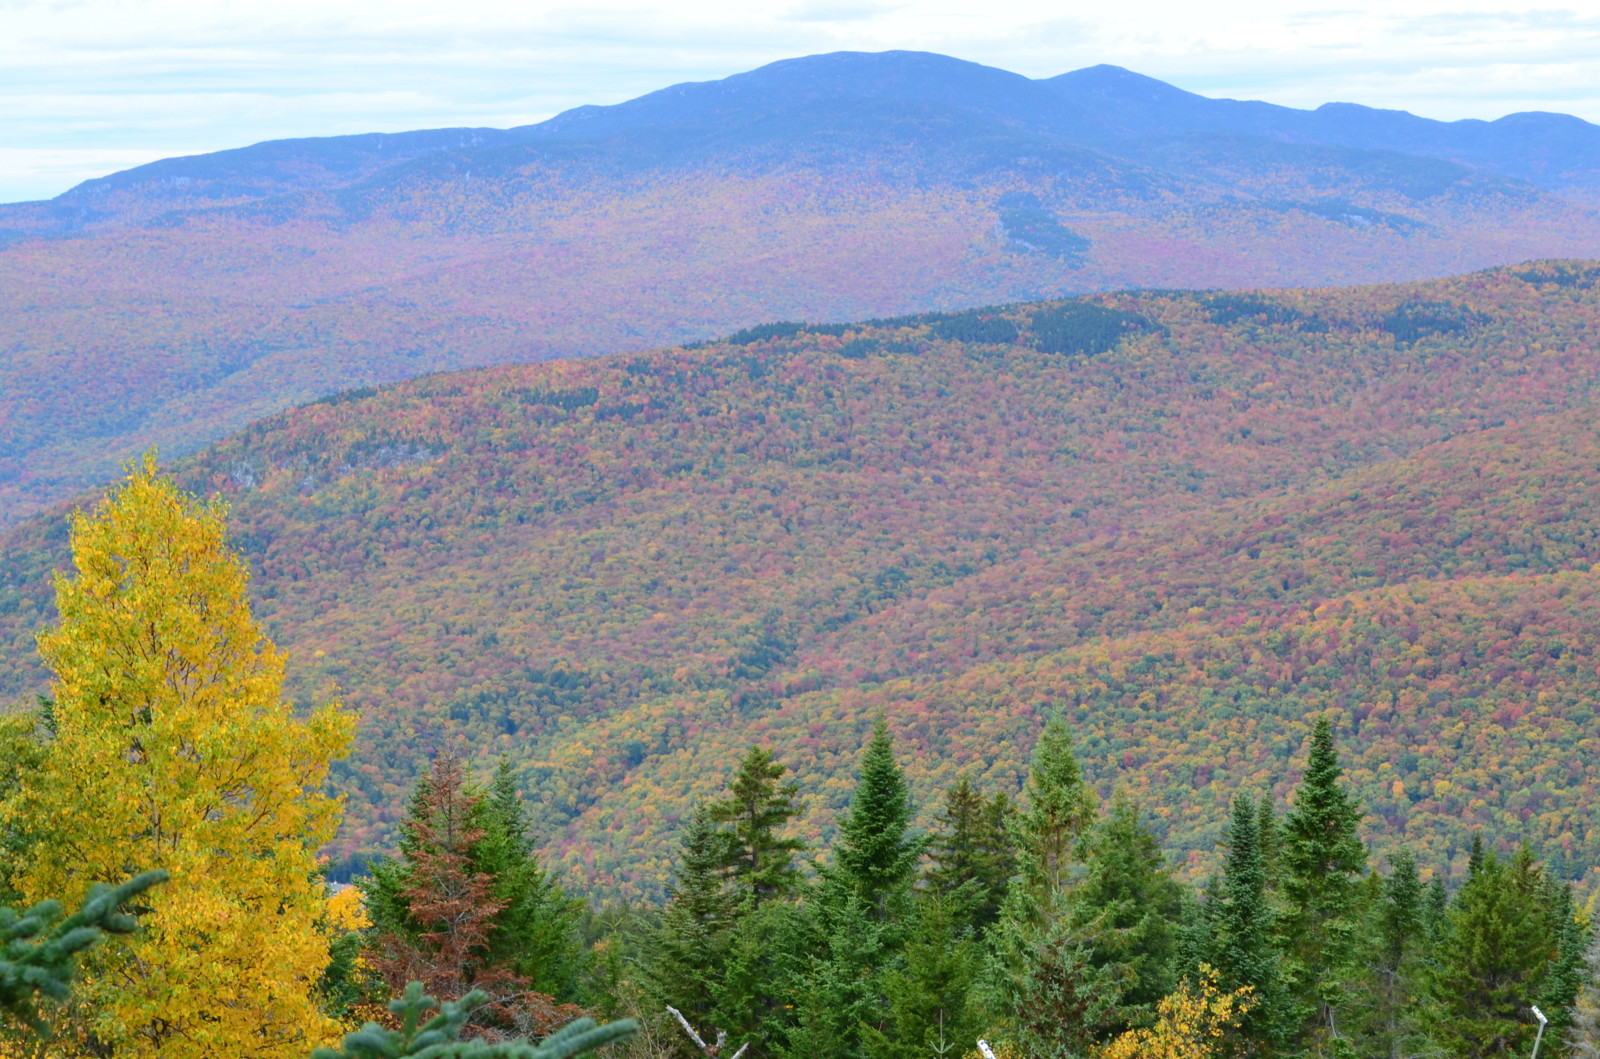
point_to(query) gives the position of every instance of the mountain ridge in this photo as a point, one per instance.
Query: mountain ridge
(146, 310)
(1190, 520)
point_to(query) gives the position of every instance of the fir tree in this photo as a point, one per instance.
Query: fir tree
(1060, 809)
(1066, 1003)
(687, 951)
(1242, 945)
(1270, 840)
(875, 856)
(533, 933)
(1323, 861)
(836, 990)
(757, 857)
(450, 904)
(1490, 961)
(971, 854)
(1133, 907)
(1583, 1035)
(1565, 979)
(1399, 939)
(929, 1007)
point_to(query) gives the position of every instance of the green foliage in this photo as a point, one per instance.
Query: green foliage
(929, 993)
(1083, 328)
(1491, 960)
(1132, 910)
(975, 326)
(41, 946)
(1035, 229)
(1058, 810)
(876, 857)
(686, 954)
(1242, 947)
(971, 854)
(533, 932)
(1065, 1002)
(756, 858)
(1323, 862)
(438, 1036)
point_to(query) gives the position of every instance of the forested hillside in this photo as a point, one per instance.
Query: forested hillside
(177, 302)
(1191, 521)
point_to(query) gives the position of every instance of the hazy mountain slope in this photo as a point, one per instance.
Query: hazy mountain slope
(621, 567)
(179, 301)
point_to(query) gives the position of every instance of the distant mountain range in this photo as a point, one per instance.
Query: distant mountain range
(173, 303)
(1192, 522)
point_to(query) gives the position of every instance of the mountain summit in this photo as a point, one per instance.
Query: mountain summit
(172, 303)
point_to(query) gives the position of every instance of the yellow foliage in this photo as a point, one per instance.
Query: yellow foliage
(346, 912)
(175, 749)
(1190, 1023)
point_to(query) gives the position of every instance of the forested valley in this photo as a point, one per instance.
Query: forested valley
(1156, 674)
(1048, 924)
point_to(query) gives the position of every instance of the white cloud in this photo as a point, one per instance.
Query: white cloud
(99, 78)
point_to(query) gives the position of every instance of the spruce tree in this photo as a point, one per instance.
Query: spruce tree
(1059, 810)
(1322, 865)
(1132, 906)
(928, 994)
(836, 988)
(1398, 944)
(876, 858)
(757, 857)
(1243, 946)
(971, 854)
(534, 933)
(1490, 961)
(1565, 979)
(1049, 832)
(686, 954)
(1065, 1002)
(1583, 1036)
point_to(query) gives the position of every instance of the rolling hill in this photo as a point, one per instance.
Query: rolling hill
(1191, 520)
(180, 301)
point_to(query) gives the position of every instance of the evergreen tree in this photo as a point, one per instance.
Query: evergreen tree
(450, 904)
(533, 934)
(1270, 840)
(876, 858)
(930, 1013)
(1490, 962)
(1066, 1003)
(1242, 945)
(1323, 861)
(1060, 809)
(1395, 962)
(175, 749)
(1049, 834)
(1565, 980)
(836, 989)
(972, 857)
(1133, 907)
(758, 859)
(687, 952)
(1583, 1036)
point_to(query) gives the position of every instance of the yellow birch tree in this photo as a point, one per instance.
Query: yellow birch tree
(1191, 1023)
(176, 749)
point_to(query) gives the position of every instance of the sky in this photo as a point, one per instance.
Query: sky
(88, 87)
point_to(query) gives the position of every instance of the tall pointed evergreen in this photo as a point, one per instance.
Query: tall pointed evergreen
(1132, 907)
(1490, 961)
(1565, 980)
(757, 856)
(971, 855)
(876, 857)
(1396, 961)
(686, 952)
(1243, 946)
(1059, 810)
(1322, 865)
(535, 933)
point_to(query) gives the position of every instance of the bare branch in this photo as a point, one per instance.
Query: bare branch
(693, 1036)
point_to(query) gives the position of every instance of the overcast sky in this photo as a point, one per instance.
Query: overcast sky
(91, 86)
